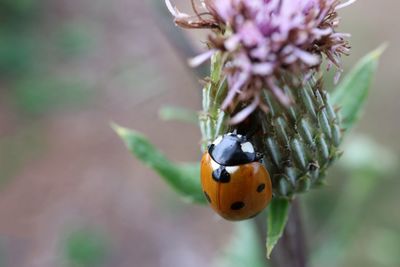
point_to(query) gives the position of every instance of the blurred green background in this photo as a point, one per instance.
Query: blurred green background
(70, 193)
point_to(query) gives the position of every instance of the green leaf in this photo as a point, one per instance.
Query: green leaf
(183, 177)
(351, 94)
(277, 219)
(170, 113)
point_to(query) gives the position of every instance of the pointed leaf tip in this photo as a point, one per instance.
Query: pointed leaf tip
(351, 94)
(183, 177)
(277, 219)
(121, 131)
(379, 51)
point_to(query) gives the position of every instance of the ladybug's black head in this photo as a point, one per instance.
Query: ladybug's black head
(232, 149)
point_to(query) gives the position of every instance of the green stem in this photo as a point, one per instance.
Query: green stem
(291, 250)
(213, 120)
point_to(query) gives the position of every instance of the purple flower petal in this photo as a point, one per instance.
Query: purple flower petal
(263, 68)
(308, 58)
(174, 11)
(235, 88)
(200, 59)
(262, 39)
(250, 34)
(350, 2)
(224, 9)
(232, 42)
(284, 99)
(244, 113)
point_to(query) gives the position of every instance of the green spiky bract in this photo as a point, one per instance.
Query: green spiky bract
(301, 141)
(298, 142)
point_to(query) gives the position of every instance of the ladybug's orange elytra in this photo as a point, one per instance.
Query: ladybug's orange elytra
(234, 182)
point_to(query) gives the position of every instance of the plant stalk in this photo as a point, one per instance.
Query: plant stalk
(291, 250)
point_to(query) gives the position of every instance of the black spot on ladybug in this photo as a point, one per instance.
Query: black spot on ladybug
(237, 205)
(260, 188)
(220, 175)
(207, 196)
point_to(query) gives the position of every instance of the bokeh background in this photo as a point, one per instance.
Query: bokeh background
(72, 195)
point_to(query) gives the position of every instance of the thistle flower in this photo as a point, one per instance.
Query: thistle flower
(266, 55)
(264, 40)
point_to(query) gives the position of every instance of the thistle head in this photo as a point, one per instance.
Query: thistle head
(262, 41)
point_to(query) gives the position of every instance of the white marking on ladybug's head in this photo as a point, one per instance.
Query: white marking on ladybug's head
(247, 147)
(231, 169)
(218, 140)
(214, 165)
(239, 136)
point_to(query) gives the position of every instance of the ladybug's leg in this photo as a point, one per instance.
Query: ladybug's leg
(259, 156)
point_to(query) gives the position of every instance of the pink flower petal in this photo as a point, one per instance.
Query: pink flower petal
(250, 34)
(263, 37)
(284, 99)
(235, 89)
(174, 11)
(322, 32)
(170, 7)
(308, 58)
(224, 9)
(350, 2)
(200, 59)
(244, 113)
(232, 42)
(263, 68)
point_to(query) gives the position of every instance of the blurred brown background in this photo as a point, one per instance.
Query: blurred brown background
(68, 186)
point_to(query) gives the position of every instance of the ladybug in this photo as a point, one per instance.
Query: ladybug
(234, 181)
